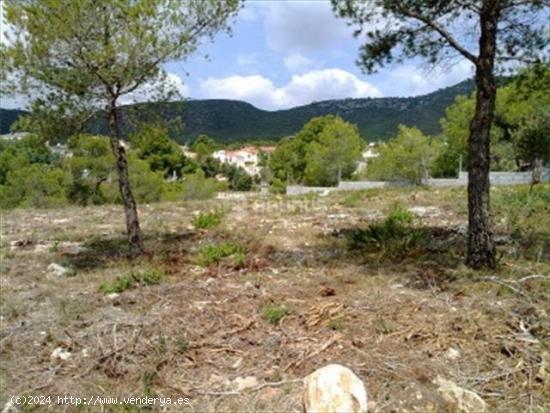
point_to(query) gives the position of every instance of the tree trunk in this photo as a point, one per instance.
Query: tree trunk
(132, 221)
(481, 248)
(536, 175)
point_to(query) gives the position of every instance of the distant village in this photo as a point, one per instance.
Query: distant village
(248, 157)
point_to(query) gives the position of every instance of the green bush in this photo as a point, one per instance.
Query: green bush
(214, 253)
(273, 313)
(147, 186)
(208, 220)
(525, 213)
(131, 280)
(37, 185)
(392, 237)
(198, 187)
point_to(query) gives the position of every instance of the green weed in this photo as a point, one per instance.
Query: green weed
(392, 237)
(273, 313)
(131, 280)
(214, 253)
(208, 220)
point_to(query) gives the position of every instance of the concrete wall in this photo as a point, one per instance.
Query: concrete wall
(496, 178)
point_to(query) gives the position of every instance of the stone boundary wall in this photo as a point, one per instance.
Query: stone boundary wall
(496, 178)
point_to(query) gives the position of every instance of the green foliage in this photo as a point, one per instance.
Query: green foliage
(204, 146)
(238, 179)
(153, 145)
(408, 156)
(525, 213)
(131, 280)
(90, 165)
(434, 29)
(325, 150)
(121, 52)
(198, 187)
(334, 155)
(36, 185)
(520, 104)
(214, 253)
(23, 152)
(147, 185)
(533, 138)
(274, 313)
(392, 238)
(208, 219)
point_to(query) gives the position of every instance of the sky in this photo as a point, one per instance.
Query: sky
(287, 53)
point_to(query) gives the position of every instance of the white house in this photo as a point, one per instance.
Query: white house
(246, 158)
(369, 153)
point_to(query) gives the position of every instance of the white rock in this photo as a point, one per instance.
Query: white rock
(243, 383)
(56, 269)
(452, 353)
(334, 388)
(60, 353)
(460, 399)
(113, 296)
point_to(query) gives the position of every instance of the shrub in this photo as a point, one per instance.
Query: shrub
(131, 280)
(214, 253)
(273, 313)
(392, 237)
(208, 220)
(38, 185)
(147, 186)
(525, 213)
(198, 187)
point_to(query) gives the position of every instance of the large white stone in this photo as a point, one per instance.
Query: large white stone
(334, 389)
(57, 270)
(460, 399)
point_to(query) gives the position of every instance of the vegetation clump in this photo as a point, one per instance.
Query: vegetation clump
(274, 313)
(131, 280)
(206, 220)
(214, 253)
(392, 237)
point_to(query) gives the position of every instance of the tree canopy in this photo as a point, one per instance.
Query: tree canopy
(76, 56)
(326, 149)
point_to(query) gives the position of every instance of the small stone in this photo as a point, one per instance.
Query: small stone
(334, 388)
(237, 363)
(57, 270)
(60, 353)
(243, 383)
(113, 296)
(452, 353)
(460, 399)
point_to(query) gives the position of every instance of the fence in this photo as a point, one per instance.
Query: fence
(496, 178)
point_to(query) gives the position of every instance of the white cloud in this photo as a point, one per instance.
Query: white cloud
(296, 62)
(409, 80)
(300, 90)
(303, 26)
(170, 83)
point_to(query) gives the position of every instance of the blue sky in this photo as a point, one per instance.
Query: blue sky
(288, 53)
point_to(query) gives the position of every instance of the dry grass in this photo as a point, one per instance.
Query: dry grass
(392, 321)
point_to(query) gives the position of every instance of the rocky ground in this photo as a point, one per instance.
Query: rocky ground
(421, 330)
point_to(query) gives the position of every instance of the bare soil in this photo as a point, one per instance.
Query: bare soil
(398, 322)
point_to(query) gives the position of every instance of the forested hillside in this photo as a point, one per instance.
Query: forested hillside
(228, 121)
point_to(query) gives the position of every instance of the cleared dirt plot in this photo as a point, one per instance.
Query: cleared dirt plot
(236, 301)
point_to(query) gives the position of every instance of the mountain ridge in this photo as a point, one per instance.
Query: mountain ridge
(228, 120)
